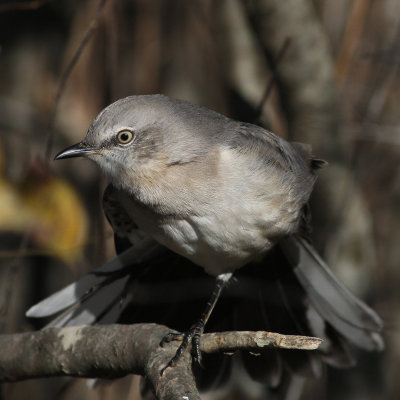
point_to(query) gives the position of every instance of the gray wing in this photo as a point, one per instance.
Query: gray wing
(126, 232)
(289, 166)
(293, 156)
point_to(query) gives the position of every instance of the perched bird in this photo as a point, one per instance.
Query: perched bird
(230, 197)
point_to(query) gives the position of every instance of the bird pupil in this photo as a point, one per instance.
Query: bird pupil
(124, 136)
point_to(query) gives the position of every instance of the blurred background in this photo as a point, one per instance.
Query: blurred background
(335, 72)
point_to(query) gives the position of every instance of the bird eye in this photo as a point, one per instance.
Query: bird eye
(125, 137)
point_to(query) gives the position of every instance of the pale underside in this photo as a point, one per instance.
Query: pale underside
(232, 220)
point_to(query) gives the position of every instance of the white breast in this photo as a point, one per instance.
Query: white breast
(236, 221)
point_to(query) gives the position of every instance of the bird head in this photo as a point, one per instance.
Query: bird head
(140, 135)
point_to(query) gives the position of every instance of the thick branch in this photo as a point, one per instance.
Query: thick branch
(111, 351)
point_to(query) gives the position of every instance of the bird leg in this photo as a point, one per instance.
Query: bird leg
(196, 330)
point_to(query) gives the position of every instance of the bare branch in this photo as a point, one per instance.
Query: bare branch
(66, 74)
(25, 5)
(112, 351)
(305, 73)
(271, 82)
(253, 341)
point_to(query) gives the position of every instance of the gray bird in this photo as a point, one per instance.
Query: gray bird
(220, 193)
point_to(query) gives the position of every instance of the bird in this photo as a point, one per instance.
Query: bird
(229, 201)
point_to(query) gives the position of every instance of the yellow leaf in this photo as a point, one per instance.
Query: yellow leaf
(61, 223)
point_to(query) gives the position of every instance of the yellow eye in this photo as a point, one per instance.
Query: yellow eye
(125, 137)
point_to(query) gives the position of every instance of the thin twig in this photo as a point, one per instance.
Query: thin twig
(49, 140)
(64, 77)
(272, 79)
(23, 5)
(251, 341)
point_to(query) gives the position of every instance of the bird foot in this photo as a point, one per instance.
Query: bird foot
(191, 336)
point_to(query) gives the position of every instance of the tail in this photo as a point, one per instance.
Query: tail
(291, 291)
(357, 322)
(97, 297)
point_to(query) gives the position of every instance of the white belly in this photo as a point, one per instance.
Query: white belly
(218, 245)
(221, 241)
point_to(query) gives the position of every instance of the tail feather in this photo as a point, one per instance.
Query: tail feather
(102, 306)
(292, 291)
(335, 350)
(82, 288)
(332, 300)
(339, 353)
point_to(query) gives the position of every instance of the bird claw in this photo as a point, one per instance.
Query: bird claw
(172, 336)
(193, 336)
(196, 353)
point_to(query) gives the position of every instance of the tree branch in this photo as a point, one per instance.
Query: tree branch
(112, 351)
(305, 75)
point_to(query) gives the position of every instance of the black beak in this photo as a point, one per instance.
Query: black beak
(77, 150)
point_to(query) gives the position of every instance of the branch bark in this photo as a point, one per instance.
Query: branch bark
(112, 351)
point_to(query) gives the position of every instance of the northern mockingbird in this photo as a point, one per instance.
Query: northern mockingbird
(220, 193)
